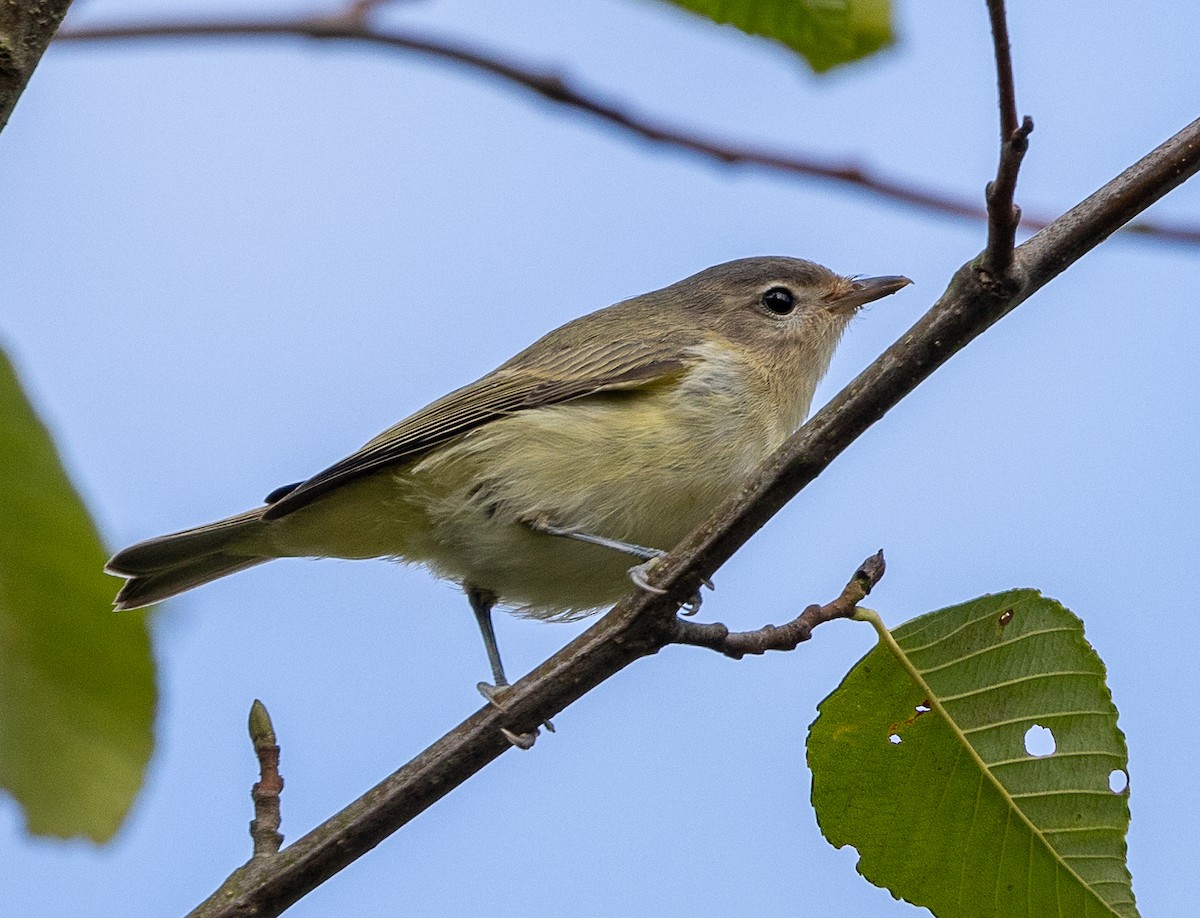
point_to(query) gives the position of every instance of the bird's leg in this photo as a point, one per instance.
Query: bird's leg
(637, 573)
(481, 604)
(569, 532)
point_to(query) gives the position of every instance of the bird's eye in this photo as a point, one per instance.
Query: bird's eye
(779, 300)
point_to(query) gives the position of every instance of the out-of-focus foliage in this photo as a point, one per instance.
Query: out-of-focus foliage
(825, 33)
(76, 680)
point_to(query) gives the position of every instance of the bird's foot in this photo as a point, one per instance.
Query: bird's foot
(638, 575)
(495, 697)
(520, 740)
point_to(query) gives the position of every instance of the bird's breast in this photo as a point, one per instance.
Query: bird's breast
(644, 466)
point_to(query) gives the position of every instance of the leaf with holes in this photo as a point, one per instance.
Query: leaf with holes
(76, 681)
(825, 32)
(924, 760)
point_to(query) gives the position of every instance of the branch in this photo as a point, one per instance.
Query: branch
(352, 26)
(1003, 215)
(25, 33)
(1004, 70)
(264, 827)
(643, 623)
(737, 644)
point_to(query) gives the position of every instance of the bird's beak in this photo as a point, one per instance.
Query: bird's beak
(867, 290)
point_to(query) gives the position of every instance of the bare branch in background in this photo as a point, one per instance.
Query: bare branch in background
(353, 25)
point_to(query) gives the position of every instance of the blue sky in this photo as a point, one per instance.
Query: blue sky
(230, 264)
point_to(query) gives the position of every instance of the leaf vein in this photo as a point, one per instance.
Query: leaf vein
(1038, 718)
(994, 647)
(1025, 759)
(1033, 677)
(1091, 792)
(967, 624)
(1067, 829)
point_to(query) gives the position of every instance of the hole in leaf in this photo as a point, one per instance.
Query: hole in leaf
(923, 707)
(1005, 617)
(1039, 741)
(1118, 780)
(894, 739)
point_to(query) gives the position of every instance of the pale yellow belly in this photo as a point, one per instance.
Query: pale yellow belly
(624, 467)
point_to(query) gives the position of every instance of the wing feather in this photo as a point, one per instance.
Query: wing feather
(542, 375)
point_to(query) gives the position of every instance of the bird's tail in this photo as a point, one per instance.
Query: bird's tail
(159, 568)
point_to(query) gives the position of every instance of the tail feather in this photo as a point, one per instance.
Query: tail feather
(145, 589)
(162, 567)
(182, 547)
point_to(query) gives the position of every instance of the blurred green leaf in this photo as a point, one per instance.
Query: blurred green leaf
(919, 761)
(76, 680)
(825, 32)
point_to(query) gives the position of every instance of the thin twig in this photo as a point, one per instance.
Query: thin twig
(264, 827)
(643, 623)
(1006, 88)
(737, 644)
(552, 85)
(1003, 215)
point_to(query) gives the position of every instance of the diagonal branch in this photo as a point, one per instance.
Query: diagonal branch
(353, 26)
(1003, 215)
(644, 622)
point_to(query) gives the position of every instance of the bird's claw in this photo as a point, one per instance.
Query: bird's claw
(495, 695)
(520, 740)
(638, 573)
(692, 606)
(638, 576)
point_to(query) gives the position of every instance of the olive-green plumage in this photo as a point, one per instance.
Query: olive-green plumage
(630, 423)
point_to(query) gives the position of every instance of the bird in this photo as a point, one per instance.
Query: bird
(606, 440)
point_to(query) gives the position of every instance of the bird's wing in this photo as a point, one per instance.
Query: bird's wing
(531, 380)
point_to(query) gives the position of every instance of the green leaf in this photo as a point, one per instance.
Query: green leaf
(919, 761)
(76, 680)
(825, 32)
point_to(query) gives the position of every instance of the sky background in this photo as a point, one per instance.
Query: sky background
(229, 264)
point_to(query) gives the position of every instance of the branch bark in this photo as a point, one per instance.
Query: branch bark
(264, 827)
(1005, 84)
(25, 33)
(353, 26)
(736, 644)
(1003, 215)
(643, 623)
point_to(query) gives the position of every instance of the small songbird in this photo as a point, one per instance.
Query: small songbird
(608, 439)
